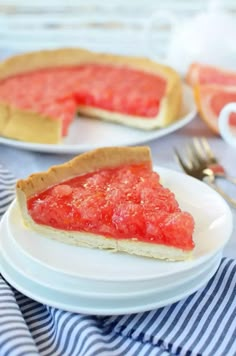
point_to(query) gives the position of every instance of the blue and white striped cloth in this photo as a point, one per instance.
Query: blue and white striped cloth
(7, 189)
(203, 324)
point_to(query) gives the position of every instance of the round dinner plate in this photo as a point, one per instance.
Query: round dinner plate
(72, 285)
(213, 227)
(86, 133)
(103, 306)
(99, 282)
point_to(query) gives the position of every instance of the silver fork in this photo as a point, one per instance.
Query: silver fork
(204, 150)
(201, 163)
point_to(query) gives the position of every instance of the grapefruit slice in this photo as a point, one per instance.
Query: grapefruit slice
(205, 74)
(211, 99)
(109, 198)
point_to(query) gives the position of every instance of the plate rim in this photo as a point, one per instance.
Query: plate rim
(125, 310)
(9, 258)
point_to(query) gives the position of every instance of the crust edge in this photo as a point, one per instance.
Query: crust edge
(74, 56)
(28, 126)
(87, 162)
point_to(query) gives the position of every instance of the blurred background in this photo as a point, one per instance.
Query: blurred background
(116, 26)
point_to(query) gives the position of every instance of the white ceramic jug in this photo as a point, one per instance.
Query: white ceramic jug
(227, 133)
(206, 38)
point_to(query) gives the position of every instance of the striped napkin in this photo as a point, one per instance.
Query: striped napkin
(7, 189)
(203, 324)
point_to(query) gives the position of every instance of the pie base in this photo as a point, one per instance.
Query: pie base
(28, 126)
(129, 246)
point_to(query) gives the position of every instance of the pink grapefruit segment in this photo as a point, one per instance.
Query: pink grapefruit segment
(213, 88)
(205, 74)
(210, 100)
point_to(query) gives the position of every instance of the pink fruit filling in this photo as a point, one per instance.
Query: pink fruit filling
(59, 92)
(122, 203)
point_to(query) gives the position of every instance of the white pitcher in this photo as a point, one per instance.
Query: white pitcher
(228, 133)
(207, 38)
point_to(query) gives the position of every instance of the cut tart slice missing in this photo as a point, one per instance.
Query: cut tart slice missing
(43, 91)
(109, 198)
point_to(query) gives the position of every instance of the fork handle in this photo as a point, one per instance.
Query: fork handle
(230, 179)
(223, 175)
(212, 183)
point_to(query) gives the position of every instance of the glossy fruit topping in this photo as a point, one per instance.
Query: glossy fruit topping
(59, 92)
(128, 202)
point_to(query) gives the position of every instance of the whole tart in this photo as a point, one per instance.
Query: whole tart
(109, 198)
(41, 93)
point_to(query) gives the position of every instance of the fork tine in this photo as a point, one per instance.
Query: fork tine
(208, 149)
(195, 154)
(191, 156)
(199, 148)
(185, 167)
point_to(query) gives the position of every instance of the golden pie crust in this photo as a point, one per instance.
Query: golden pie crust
(33, 127)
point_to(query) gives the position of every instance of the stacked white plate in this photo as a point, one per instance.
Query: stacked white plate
(106, 283)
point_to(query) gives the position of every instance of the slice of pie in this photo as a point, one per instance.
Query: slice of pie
(109, 198)
(41, 92)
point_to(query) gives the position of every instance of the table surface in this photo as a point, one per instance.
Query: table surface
(22, 163)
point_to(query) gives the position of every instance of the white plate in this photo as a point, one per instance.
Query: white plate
(96, 306)
(46, 277)
(212, 231)
(86, 134)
